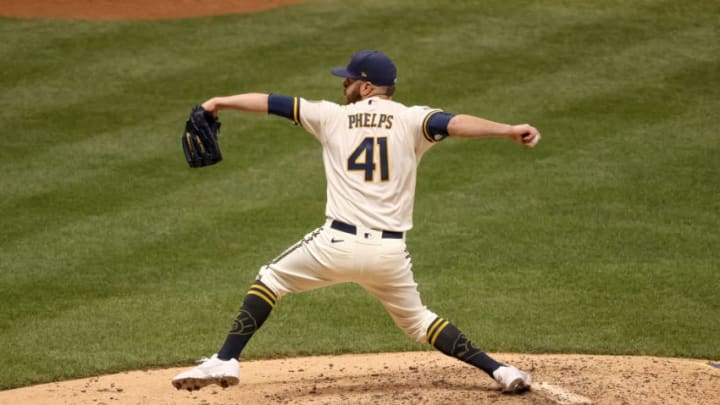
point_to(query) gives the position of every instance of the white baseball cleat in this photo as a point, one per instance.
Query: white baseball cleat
(211, 371)
(512, 379)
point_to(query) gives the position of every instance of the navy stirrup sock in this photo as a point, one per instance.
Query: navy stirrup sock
(254, 311)
(445, 337)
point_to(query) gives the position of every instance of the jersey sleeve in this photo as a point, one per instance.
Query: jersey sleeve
(311, 115)
(435, 125)
(430, 126)
(284, 106)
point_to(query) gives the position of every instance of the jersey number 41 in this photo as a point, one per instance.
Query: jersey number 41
(363, 158)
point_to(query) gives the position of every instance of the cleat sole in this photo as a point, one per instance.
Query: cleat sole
(194, 384)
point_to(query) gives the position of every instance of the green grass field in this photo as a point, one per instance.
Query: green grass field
(114, 255)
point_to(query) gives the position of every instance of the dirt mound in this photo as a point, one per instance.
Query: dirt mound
(404, 378)
(133, 9)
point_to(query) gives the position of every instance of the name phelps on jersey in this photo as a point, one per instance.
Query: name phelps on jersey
(434, 126)
(370, 120)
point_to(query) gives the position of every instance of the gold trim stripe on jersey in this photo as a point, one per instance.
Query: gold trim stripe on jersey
(296, 110)
(427, 134)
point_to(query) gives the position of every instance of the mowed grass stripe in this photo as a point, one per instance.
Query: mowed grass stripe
(117, 178)
(141, 130)
(628, 194)
(149, 67)
(151, 203)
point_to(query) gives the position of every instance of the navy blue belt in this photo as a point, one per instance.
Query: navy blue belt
(347, 228)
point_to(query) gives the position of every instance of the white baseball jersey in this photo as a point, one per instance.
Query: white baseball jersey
(371, 150)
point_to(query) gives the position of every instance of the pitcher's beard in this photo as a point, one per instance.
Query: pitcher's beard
(353, 96)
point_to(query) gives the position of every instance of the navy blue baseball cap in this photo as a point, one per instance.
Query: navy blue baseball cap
(371, 66)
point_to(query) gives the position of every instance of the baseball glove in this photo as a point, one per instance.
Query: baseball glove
(200, 138)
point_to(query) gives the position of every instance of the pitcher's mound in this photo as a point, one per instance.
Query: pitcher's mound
(403, 378)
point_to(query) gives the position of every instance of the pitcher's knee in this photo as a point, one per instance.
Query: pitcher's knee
(416, 327)
(271, 280)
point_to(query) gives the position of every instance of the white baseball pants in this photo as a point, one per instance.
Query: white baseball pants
(382, 266)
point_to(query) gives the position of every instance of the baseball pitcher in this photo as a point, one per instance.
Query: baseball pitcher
(372, 146)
